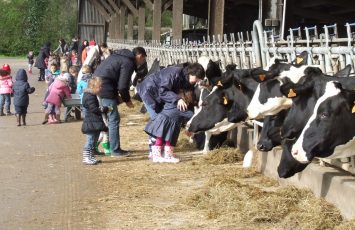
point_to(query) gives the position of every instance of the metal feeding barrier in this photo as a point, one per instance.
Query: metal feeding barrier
(256, 49)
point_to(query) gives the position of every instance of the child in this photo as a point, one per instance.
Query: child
(51, 74)
(21, 99)
(30, 58)
(74, 58)
(93, 123)
(58, 91)
(165, 128)
(73, 71)
(83, 83)
(5, 90)
(64, 63)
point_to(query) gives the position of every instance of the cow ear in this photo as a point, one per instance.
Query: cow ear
(344, 72)
(301, 59)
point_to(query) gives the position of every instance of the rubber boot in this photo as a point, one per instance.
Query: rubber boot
(18, 118)
(169, 155)
(24, 119)
(156, 150)
(57, 117)
(106, 147)
(88, 159)
(2, 112)
(45, 118)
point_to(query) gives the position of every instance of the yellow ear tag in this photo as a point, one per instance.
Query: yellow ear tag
(219, 83)
(225, 100)
(299, 60)
(262, 77)
(291, 93)
(353, 110)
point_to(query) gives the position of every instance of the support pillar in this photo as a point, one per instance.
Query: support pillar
(130, 26)
(141, 23)
(178, 6)
(122, 22)
(114, 26)
(216, 17)
(156, 20)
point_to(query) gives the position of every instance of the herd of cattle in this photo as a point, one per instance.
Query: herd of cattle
(310, 114)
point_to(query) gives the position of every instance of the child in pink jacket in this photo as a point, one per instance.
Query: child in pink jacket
(5, 90)
(58, 91)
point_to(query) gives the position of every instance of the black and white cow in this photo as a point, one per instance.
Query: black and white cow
(270, 135)
(308, 102)
(268, 100)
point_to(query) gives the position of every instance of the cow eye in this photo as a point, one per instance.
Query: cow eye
(323, 115)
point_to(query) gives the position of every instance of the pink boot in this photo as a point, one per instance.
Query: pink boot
(156, 150)
(169, 155)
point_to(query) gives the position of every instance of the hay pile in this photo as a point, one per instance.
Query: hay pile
(224, 156)
(241, 197)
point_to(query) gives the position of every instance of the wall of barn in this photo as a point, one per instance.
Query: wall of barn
(91, 23)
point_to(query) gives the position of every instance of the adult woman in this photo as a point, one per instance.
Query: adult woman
(40, 60)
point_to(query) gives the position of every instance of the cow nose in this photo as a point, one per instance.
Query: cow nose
(260, 147)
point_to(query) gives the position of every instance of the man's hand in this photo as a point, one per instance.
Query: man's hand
(129, 104)
(119, 99)
(181, 105)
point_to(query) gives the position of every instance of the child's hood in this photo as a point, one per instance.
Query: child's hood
(21, 75)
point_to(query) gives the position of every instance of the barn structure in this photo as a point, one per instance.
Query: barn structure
(116, 19)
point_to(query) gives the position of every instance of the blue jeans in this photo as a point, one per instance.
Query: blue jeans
(91, 139)
(5, 99)
(113, 118)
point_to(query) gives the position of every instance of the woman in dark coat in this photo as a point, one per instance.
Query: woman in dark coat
(93, 123)
(21, 90)
(166, 107)
(40, 60)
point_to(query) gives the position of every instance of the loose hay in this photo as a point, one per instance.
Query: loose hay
(224, 156)
(231, 198)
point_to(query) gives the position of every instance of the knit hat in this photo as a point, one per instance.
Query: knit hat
(6, 68)
(64, 77)
(92, 43)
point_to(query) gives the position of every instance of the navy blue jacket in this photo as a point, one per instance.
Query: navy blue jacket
(21, 89)
(43, 54)
(163, 86)
(93, 121)
(116, 73)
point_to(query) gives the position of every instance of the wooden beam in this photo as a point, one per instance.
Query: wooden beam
(130, 26)
(122, 22)
(101, 9)
(141, 23)
(167, 4)
(114, 5)
(177, 19)
(149, 4)
(107, 7)
(131, 7)
(156, 20)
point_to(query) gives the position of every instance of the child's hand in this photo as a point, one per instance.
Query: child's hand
(181, 105)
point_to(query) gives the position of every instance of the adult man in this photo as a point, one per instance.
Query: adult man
(116, 73)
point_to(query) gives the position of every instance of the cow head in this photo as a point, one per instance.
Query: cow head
(270, 134)
(331, 125)
(288, 166)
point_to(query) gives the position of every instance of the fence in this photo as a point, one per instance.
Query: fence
(255, 49)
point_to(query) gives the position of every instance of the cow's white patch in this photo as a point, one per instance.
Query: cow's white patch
(203, 60)
(294, 74)
(272, 106)
(222, 126)
(248, 158)
(297, 149)
(271, 62)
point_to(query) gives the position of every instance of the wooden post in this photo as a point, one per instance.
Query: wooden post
(156, 20)
(178, 6)
(141, 23)
(130, 26)
(216, 17)
(122, 22)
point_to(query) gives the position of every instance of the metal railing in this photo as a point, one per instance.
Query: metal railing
(325, 49)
